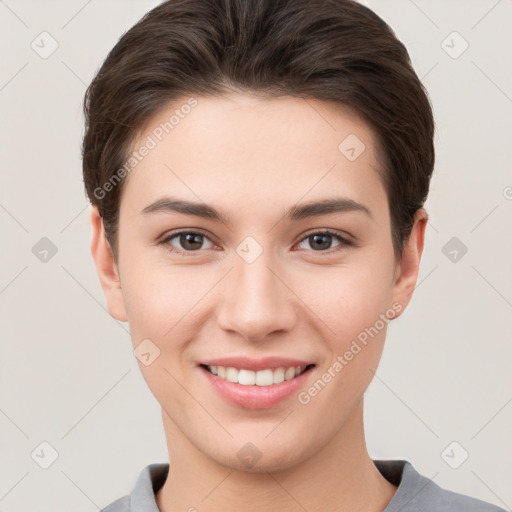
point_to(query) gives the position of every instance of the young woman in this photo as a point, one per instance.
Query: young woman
(257, 171)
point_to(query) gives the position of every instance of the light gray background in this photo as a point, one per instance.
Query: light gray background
(68, 375)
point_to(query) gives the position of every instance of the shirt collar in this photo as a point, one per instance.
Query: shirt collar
(149, 481)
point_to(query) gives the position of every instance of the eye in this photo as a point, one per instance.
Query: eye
(186, 242)
(321, 241)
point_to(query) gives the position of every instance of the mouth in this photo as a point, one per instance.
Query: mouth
(255, 384)
(265, 377)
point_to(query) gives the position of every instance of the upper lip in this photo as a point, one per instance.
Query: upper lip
(264, 363)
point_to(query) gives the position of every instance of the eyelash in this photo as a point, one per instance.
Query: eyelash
(344, 242)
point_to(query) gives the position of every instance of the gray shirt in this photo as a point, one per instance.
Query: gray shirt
(415, 492)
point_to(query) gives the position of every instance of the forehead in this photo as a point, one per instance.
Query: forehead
(249, 149)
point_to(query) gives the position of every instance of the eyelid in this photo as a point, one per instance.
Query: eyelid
(166, 238)
(171, 234)
(344, 238)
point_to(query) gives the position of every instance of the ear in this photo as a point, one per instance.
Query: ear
(407, 269)
(106, 267)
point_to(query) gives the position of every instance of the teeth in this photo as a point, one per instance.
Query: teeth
(278, 375)
(246, 377)
(259, 378)
(232, 374)
(289, 373)
(264, 378)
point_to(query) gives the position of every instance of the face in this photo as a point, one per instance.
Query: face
(256, 268)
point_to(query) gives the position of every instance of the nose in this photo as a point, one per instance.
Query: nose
(257, 302)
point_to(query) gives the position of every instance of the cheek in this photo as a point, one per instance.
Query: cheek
(162, 301)
(356, 307)
(350, 299)
(160, 306)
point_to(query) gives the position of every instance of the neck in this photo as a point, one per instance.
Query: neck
(341, 477)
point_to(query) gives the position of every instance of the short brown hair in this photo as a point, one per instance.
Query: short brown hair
(334, 50)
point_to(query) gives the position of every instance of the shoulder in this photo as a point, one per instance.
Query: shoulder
(120, 505)
(421, 494)
(142, 496)
(455, 502)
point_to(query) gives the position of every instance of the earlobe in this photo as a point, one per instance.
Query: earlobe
(106, 267)
(408, 267)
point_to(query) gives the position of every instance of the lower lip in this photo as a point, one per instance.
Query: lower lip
(256, 397)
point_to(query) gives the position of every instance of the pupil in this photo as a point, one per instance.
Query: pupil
(317, 241)
(191, 238)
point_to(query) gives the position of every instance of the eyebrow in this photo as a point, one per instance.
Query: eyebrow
(296, 212)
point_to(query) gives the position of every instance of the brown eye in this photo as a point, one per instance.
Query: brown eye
(322, 241)
(190, 241)
(186, 241)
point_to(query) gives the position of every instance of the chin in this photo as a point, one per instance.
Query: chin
(264, 455)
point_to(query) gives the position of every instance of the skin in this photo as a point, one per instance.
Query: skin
(253, 158)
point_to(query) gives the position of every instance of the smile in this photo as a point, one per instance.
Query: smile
(266, 377)
(256, 384)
